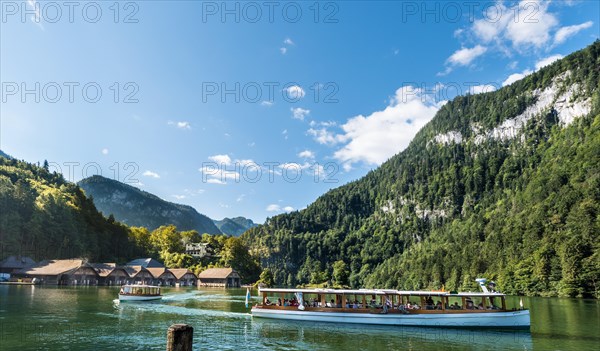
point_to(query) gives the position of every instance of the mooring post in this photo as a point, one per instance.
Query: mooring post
(180, 337)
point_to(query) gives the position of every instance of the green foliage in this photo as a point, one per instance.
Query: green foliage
(235, 254)
(266, 278)
(340, 273)
(523, 211)
(45, 217)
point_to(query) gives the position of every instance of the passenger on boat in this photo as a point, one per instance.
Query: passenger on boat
(480, 306)
(429, 303)
(267, 302)
(455, 306)
(470, 305)
(438, 305)
(279, 302)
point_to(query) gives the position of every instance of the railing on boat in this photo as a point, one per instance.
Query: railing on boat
(390, 301)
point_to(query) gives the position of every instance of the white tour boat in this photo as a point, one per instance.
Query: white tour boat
(139, 293)
(486, 309)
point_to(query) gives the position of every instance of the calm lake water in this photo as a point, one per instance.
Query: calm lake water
(53, 318)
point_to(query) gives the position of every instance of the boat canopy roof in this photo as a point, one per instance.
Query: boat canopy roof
(140, 286)
(374, 292)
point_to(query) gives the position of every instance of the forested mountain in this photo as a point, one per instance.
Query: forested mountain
(2, 154)
(135, 207)
(504, 185)
(234, 226)
(45, 217)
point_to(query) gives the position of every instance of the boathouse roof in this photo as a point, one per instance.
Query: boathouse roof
(54, 267)
(146, 263)
(17, 262)
(217, 273)
(103, 269)
(180, 272)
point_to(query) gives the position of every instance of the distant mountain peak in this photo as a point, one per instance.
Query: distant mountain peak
(235, 226)
(136, 207)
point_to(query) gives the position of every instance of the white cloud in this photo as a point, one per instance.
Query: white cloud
(36, 17)
(184, 125)
(180, 125)
(533, 25)
(295, 92)
(288, 41)
(277, 208)
(515, 77)
(283, 51)
(179, 197)
(221, 159)
(151, 174)
(562, 34)
(324, 136)
(104, 151)
(465, 56)
(285, 134)
(538, 65)
(484, 88)
(375, 138)
(267, 103)
(525, 25)
(273, 208)
(306, 154)
(299, 113)
(220, 174)
(240, 198)
(215, 181)
(546, 61)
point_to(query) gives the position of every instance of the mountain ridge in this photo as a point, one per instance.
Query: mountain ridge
(427, 217)
(128, 204)
(136, 207)
(235, 226)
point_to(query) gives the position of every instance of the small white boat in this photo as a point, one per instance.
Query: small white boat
(485, 309)
(139, 293)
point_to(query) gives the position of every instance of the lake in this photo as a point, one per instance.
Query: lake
(89, 318)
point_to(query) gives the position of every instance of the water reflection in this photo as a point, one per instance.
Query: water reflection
(49, 318)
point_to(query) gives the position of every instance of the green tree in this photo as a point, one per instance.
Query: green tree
(340, 273)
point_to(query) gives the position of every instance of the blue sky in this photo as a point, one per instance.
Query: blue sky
(255, 108)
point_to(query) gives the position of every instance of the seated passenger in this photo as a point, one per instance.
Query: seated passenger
(438, 305)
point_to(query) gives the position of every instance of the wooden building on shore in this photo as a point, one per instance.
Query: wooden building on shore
(80, 272)
(162, 276)
(56, 272)
(14, 264)
(220, 277)
(184, 277)
(138, 275)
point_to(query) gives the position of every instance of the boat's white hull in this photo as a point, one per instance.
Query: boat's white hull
(510, 319)
(138, 298)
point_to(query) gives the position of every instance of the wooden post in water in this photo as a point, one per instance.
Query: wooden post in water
(180, 337)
